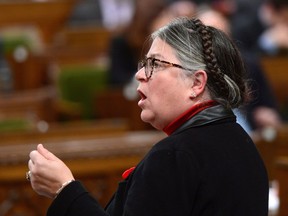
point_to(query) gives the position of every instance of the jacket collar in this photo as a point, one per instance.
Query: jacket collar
(208, 116)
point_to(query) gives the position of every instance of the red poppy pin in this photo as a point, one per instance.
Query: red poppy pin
(126, 173)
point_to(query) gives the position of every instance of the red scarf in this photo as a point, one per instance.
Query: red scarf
(170, 128)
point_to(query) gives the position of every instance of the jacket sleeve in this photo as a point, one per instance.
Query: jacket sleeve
(74, 200)
(164, 184)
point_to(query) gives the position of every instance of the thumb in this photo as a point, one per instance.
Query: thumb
(45, 153)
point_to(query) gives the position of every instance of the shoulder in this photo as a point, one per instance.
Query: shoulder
(168, 153)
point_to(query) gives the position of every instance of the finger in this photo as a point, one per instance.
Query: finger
(35, 156)
(45, 153)
(30, 165)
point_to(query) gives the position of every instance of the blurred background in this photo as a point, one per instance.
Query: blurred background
(67, 80)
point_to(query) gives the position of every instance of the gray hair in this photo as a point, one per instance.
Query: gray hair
(200, 47)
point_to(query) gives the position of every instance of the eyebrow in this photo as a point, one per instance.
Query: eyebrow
(155, 56)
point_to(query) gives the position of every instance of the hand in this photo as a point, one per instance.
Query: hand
(48, 172)
(279, 35)
(267, 117)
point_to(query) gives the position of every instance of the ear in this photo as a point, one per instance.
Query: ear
(199, 84)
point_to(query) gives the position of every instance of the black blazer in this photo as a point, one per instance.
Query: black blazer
(208, 167)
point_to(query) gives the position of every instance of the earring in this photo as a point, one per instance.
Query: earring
(193, 95)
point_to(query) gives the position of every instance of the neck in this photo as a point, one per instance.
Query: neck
(172, 126)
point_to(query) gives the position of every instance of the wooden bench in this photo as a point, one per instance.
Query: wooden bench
(48, 16)
(97, 162)
(31, 73)
(78, 45)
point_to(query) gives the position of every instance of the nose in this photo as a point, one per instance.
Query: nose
(140, 75)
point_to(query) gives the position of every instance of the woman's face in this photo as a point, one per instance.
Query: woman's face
(167, 93)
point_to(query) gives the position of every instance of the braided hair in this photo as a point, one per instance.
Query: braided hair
(201, 47)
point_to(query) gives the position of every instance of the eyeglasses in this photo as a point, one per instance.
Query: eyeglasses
(150, 64)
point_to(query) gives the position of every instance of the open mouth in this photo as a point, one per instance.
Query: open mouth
(142, 95)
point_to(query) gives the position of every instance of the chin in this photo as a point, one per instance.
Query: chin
(150, 118)
(147, 117)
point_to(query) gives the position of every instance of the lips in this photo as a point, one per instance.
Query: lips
(142, 97)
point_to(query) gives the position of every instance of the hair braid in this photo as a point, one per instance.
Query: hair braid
(215, 73)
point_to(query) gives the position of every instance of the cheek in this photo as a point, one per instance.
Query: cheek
(158, 94)
(164, 100)
(156, 102)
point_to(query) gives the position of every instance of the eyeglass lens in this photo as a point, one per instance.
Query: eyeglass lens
(148, 66)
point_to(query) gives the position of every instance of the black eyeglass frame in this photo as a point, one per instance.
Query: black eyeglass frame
(148, 74)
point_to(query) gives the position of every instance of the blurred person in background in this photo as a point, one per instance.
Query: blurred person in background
(261, 26)
(110, 14)
(116, 13)
(180, 8)
(274, 40)
(86, 12)
(246, 24)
